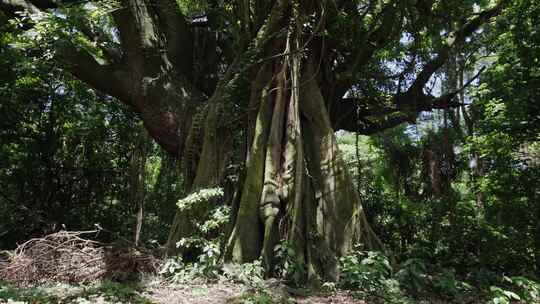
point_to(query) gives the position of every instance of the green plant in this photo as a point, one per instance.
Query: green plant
(516, 288)
(502, 296)
(369, 274)
(528, 289)
(120, 292)
(199, 196)
(207, 265)
(208, 261)
(15, 295)
(256, 298)
(447, 285)
(289, 267)
(207, 233)
(250, 274)
(412, 275)
(329, 287)
(172, 266)
(364, 270)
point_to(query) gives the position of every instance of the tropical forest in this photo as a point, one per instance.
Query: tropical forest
(270, 151)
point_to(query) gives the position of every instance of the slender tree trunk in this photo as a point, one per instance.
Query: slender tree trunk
(137, 187)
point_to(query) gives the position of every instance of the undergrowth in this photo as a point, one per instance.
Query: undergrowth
(99, 292)
(369, 276)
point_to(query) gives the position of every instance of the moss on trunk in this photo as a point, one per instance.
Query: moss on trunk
(297, 187)
(211, 145)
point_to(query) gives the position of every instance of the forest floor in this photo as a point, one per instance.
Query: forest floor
(235, 294)
(67, 257)
(156, 290)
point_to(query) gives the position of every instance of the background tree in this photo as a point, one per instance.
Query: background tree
(65, 151)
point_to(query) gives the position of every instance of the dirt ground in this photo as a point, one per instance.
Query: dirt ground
(158, 291)
(229, 293)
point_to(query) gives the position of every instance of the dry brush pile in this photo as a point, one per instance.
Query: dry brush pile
(67, 256)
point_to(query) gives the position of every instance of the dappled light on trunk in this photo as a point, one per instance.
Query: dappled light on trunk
(297, 188)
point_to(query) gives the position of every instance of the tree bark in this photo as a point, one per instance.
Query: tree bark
(208, 149)
(137, 185)
(297, 187)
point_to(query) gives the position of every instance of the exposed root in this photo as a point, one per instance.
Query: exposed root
(66, 256)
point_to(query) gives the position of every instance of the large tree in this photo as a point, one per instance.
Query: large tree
(287, 72)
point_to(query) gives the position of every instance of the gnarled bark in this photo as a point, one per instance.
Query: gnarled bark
(297, 187)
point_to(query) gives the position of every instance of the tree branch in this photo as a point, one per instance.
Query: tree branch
(178, 34)
(454, 40)
(373, 115)
(109, 79)
(406, 106)
(105, 78)
(382, 32)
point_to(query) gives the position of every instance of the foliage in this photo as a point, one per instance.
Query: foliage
(413, 275)
(255, 298)
(64, 154)
(198, 197)
(116, 292)
(208, 235)
(501, 296)
(370, 274)
(207, 266)
(33, 295)
(515, 288)
(205, 241)
(249, 274)
(289, 267)
(106, 292)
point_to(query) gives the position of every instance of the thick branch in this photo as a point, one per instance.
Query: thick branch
(381, 33)
(368, 116)
(109, 79)
(144, 79)
(406, 106)
(455, 40)
(79, 62)
(127, 24)
(178, 34)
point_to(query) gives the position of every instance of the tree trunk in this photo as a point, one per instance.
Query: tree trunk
(208, 146)
(204, 160)
(137, 189)
(297, 187)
